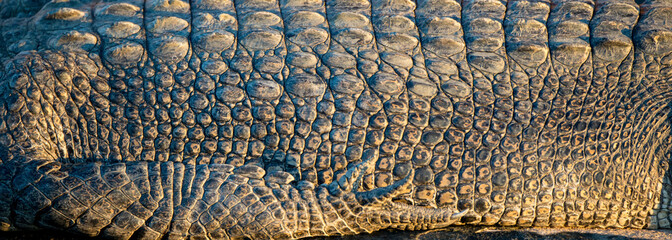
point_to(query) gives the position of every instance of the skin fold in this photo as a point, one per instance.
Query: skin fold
(277, 119)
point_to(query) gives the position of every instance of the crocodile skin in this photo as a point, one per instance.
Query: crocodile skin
(232, 119)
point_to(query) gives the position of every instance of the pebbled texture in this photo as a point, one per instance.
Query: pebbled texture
(290, 119)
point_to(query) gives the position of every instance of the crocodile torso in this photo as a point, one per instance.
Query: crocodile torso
(231, 119)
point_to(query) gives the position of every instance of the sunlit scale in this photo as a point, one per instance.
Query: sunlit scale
(275, 119)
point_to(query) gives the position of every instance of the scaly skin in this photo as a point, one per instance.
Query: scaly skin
(289, 119)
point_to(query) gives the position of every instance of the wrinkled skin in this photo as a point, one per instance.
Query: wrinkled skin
(289, 119)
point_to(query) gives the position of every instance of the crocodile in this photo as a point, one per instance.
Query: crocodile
(277, 119)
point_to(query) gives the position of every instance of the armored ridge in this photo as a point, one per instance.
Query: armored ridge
(288, 119)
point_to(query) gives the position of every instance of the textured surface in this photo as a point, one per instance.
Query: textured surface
(456, 233)
(298, 118)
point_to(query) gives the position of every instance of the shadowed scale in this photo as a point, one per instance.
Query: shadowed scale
(275, 119)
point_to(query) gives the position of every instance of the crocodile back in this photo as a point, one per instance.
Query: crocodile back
(519, 112)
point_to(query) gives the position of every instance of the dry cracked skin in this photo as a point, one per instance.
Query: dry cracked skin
(233, 119)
